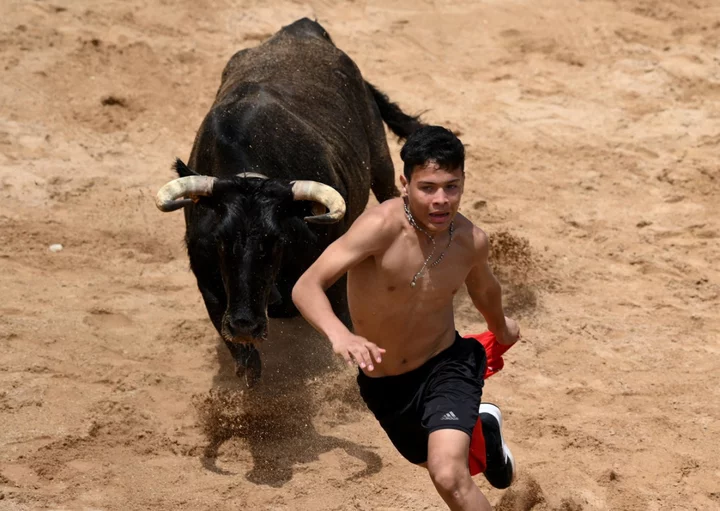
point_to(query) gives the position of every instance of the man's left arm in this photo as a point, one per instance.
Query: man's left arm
(486, 292)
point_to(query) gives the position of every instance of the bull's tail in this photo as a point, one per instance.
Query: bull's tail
(400, 123)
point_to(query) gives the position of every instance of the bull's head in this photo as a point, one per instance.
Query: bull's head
(253, 217)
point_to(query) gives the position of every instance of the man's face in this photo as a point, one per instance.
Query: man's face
(434, 195)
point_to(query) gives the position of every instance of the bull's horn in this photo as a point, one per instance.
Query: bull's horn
(322, 194)
(177, 193)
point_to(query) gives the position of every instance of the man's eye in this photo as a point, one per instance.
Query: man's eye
(452, 187)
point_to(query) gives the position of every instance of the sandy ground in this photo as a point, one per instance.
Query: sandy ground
(592, 130)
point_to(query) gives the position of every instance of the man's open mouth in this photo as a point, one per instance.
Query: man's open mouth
(438, 218)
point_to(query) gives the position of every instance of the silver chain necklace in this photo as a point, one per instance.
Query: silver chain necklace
(425, 266)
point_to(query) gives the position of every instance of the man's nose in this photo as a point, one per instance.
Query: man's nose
(440, 197)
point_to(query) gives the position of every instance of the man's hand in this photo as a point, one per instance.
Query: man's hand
(356, 349)
(511, 332)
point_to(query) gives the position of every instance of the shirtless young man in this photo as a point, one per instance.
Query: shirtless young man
(406, 259)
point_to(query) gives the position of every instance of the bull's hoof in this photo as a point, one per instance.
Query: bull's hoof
(249, 367)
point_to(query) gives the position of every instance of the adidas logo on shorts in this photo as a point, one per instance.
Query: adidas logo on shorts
(450, 416)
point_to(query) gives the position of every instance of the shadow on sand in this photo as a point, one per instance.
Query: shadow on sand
(274, 418)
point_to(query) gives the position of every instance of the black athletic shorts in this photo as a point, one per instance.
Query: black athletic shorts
(443, 393)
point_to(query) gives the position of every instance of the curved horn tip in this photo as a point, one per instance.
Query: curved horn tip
(322, 194)
(175, 194)
(169, 206)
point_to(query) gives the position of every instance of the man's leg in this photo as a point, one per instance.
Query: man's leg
(448, 466)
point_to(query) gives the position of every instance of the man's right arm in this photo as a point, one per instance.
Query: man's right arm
(366, 237)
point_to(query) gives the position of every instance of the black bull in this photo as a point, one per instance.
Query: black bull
(281, 166)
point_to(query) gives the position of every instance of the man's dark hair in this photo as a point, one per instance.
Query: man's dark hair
(433, 144)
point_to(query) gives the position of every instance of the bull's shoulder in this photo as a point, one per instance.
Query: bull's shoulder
(226, 133)
(226, 119)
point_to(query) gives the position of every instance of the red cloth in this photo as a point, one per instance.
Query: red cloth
(495, 362)
(494, 351)
(476, 457)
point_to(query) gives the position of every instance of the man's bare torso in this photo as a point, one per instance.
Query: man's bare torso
(412, 323)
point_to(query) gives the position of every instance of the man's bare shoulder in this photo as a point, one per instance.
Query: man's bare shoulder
(472, 237)
(379, 225)
(386, 212)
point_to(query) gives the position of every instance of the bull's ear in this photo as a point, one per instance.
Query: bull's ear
(297, 230)
(183, 170)
(290, 217)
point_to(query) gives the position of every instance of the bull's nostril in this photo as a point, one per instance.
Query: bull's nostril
(240, 327)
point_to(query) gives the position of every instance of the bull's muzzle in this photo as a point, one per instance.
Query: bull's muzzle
(244, 330)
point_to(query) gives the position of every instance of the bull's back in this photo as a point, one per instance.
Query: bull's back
(294, 107)
(309, 74)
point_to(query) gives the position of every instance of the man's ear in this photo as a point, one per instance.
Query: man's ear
(404, 182)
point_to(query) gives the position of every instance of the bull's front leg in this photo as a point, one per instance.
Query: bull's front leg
(280, 304)
(247, 362)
